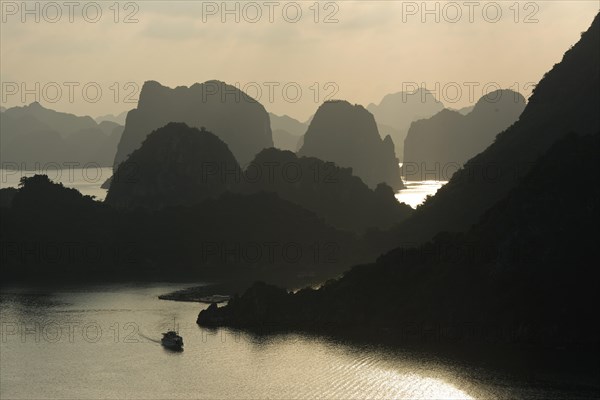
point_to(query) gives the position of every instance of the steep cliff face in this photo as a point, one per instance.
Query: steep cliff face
(397, 111)
(565, 100)
(176, 165)
(347, 135)
(239, 120)
(447, 140)
(522, 273)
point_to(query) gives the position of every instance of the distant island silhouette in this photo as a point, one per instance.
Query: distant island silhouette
(397, 111)
(287, 132)
(438, 146)
(502, 244)
(334, 193)
(34, 135)
(511, 258)
(118, 119)
(565, 100)
(347, 135)
(239, 120)
(179, 165)
(175, 165)
(59, 235)
(500, 282)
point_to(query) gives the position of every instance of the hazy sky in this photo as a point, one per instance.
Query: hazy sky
(374, 48)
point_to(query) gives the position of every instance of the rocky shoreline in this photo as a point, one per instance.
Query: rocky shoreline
(211, 293)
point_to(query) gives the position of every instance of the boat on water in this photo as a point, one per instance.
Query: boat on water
(172, 340)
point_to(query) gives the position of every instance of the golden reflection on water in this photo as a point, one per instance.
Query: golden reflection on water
(318, 368)
(416, 191)
(218, 363)
(427, 388)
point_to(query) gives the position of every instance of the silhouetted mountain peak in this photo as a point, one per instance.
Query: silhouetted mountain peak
(500, 100)
(152, 93)
(239, 120)
(444, 142)
(330, 191)
(33, 134)
(447, 113)
(62, 122)
(565, 100)
(347, 135)
(397, 111)
(388, 141)
(350, 116)
(176, 165)
(177, 131)
(211, 81)
(287, 132)
(420, 95)
(563, 82)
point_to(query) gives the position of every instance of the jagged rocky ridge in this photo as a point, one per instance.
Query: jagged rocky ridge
(179, 165)
(341, 198)
(397, 111)
(523, 272)
(437, 147)
(565, 100)
(239, 120)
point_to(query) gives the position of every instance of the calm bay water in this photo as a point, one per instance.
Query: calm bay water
(103, 343)
(416, 191)
(89, 181)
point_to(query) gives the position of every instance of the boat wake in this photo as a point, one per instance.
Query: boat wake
(149, 338)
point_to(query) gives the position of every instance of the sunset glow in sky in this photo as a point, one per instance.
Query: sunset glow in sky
(290, 55)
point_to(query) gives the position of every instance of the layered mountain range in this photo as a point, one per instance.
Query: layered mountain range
(506, 257)
(34, 135)
(397, 111)
(440, 145)
(238, 119)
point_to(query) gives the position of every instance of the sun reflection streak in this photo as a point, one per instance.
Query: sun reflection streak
(415, 192)
(393, 384)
